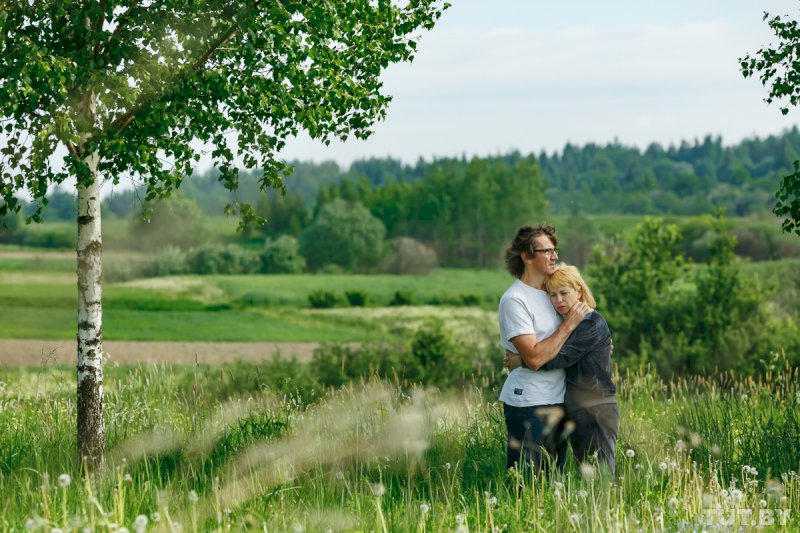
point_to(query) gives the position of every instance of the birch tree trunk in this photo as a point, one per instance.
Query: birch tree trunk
(91, 429)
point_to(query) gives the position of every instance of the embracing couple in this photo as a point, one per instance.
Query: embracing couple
(558, 349)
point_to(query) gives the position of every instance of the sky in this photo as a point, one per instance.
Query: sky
(529, 75)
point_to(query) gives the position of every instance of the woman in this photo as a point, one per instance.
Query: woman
(586, 356)
(533, 402)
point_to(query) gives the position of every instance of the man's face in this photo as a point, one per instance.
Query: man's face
(544, 262)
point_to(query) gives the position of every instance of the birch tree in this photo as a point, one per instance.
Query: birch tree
(778, 68)
(104, 90)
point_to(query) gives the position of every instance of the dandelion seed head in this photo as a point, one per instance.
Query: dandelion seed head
(493, 501)
(156, 517)
(339, 475)
(753, 472)
(127, 478)
(723, 493)
(662, 466)
(746, 469)
(140, 524)
(424, 508)
(673, 503)
(762, 504)
(582, 494)
(56, 530)
(459, 519)
(447, 466)
(630, 453)
(715, 449)
(558, 485)
(575, 519)
(736, 496)
(297, 528)
(587, 470)
(122, 530)
(64, 480)
(638, 466)
(708, 499)
(680, 446)
(193, 497)
(378, 489)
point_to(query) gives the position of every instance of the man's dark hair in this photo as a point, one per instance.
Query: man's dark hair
(523, 242)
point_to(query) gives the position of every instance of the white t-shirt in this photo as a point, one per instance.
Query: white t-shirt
(526, 310)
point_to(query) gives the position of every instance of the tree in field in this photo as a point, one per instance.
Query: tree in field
(101, 90)
(779, 68)
(344, 234)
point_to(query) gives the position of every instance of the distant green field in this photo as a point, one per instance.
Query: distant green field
(38, 300)
(41, 304)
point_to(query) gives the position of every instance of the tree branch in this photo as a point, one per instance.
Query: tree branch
(121, 122)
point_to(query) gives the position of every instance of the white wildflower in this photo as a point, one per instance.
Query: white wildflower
(447, 466)
(424, 508)
(736, 496)
(582, 494)
(140, 524)
(127, 478)
(339, 475)
(558, 485)
(715, 449)
(459, 519)
(723, 493)
(674, 502)
(193, 497)
(753, 472)
(662, 466)
(762, 504)
(630, 453)
(745, 469)
(297, 528)
(64, 480)
(695, 440)
(156, 516)
(575, 519)
(587, 470)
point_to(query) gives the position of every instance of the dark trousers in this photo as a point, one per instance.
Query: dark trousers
(535, 437)
(596, 430)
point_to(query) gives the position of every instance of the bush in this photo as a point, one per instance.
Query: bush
(402, 298)
(282, 256)
(470, 299)
(175, 221)
(49, 237)
(168, 261)
(356, 297)
(323, 299)
(344, 234)
(412, 257)
(219, 259)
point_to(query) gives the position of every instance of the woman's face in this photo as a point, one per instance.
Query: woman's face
(563, 298)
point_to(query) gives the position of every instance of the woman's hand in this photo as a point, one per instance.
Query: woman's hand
(512, 360)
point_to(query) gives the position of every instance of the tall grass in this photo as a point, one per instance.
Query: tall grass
(217, 448)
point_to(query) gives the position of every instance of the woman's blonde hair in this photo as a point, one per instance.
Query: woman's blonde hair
(568, 276)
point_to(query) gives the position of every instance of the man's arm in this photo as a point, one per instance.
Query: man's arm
(579, 344)
(536, 353)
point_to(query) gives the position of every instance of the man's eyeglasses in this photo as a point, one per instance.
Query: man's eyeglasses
(547, 251)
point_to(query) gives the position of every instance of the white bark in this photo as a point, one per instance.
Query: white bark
(91, 429)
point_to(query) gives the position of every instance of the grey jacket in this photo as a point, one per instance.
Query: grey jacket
(586, 358)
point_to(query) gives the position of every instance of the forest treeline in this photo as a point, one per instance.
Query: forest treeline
(466, 209)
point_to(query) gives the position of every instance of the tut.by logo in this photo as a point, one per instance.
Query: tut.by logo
(746, 517)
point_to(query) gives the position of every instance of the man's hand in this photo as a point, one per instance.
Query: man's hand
(576, 314)
(512, 360)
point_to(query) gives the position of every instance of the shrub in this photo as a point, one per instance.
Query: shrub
(356, 297)
(282, 256)
(402, 298)
(323, 299)
(470, 299)
(219, 259)
(412, 257)
(168, 261)
(49, 237)
(175, 221)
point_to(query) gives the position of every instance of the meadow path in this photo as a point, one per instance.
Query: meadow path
(28, 352)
